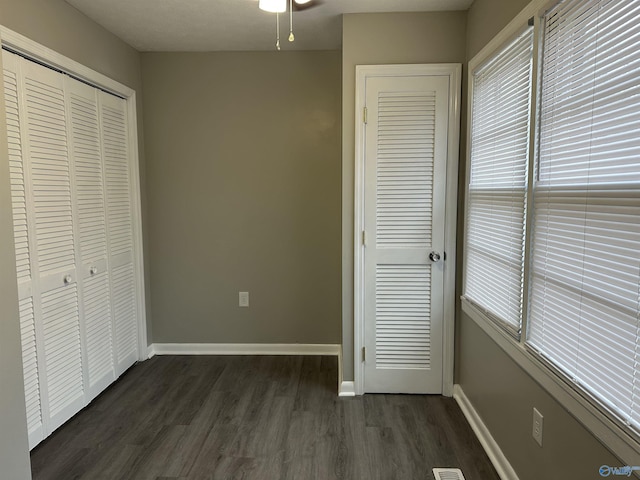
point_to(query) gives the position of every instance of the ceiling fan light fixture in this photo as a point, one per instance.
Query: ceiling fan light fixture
(273, 6)
(302, 2)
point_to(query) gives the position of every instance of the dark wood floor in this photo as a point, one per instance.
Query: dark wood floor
(263, 418)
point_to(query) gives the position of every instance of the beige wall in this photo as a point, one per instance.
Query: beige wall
(54, 24)
(244, 195)
(370, 39)
(500, 391)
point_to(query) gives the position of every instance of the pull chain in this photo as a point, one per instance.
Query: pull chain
(277, 31)
(291, 37)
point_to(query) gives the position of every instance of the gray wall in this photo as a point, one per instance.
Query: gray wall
(60, 27)
(486, 18)
(244, 195)
(370, 39)
(500, 391)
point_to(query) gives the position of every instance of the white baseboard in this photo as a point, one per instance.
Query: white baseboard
(150, 351)
(347, 389)
(500, 462)
(244, 349)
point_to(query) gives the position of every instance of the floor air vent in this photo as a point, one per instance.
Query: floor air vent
(448, 474)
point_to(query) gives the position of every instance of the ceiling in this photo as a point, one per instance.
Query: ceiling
(210, 25)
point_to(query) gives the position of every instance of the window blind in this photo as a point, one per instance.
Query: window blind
(498, 181)
(585, 285)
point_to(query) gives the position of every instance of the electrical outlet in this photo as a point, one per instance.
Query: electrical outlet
(243, 298)
(537, 426)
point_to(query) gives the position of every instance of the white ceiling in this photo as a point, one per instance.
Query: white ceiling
(209, 25)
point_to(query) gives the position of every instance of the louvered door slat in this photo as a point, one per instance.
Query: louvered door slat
(404, 209)
(406, 123)
(18, 188)
(119, 230)
(124, 306)
(30, 366)
(49, 163)
(118, 185)
(62, 353)
(97, 311)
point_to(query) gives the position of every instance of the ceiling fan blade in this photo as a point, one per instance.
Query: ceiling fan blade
(299, 7)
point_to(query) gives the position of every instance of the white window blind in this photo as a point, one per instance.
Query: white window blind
(585, 285)
(498, 181)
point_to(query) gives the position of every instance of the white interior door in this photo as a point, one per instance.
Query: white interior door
(91, 225)
(53, 262)
(120, 220)
(405, 161)
(24, 245)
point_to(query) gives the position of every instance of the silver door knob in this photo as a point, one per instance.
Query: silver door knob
(434, 256)
(67, 279)
(93, 270)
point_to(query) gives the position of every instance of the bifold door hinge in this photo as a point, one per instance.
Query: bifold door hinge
(364, 238)
(364, 354)
(364, 115)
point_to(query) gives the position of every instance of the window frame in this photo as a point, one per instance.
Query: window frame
(589, 411)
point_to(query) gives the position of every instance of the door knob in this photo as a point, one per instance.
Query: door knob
(67, 279)
(93, 270)
(434, 256)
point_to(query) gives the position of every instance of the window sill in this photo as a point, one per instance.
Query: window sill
(603, 428)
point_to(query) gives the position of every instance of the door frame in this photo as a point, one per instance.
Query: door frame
(26, 47)
(363, 72)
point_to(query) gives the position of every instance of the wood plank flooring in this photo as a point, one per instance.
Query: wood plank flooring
(262, 418)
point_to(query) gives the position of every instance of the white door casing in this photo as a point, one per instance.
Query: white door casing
(406, 172)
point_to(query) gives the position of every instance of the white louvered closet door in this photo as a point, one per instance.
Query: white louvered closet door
(91, 226)
(23, 245)
(53, 256)
(73, 217)
(113, 118)
(405, 178)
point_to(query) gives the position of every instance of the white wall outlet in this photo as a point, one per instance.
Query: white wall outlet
(243, 298)
(537, 426)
